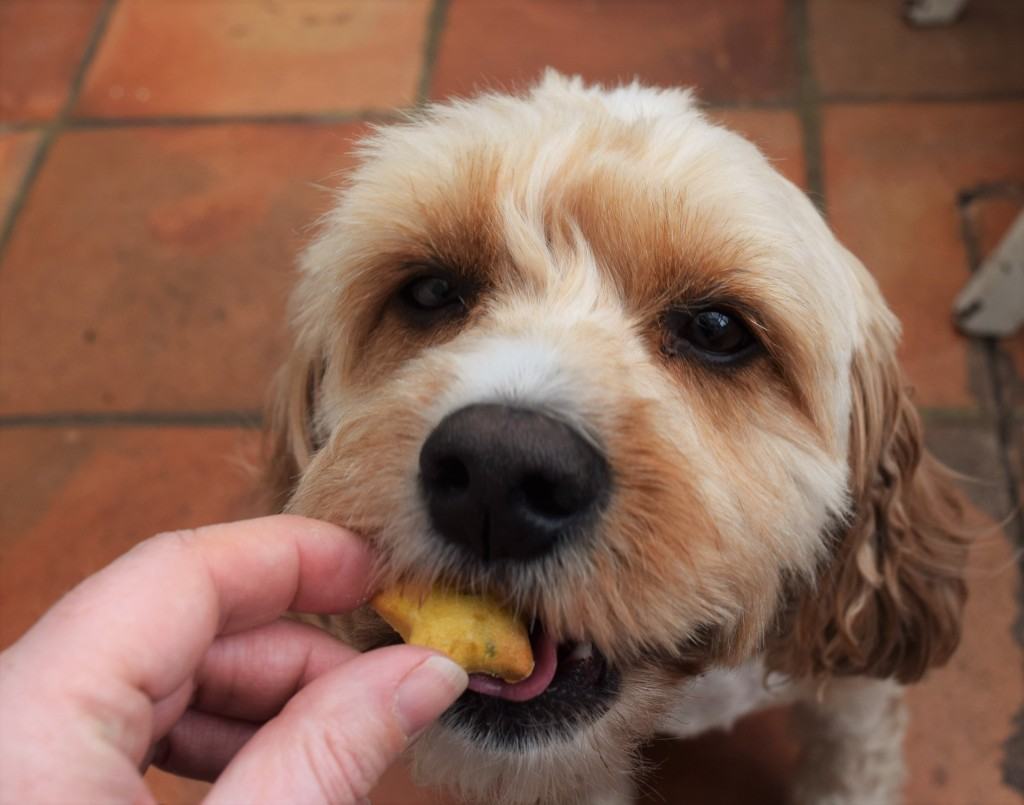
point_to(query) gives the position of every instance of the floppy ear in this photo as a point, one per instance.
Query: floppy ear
(290, 437)
(889, 600)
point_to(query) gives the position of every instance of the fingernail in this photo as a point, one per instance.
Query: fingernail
(427, 691)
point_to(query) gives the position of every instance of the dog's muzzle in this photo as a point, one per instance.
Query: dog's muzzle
(508, 484)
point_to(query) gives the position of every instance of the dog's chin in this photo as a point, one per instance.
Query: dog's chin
(574, 744)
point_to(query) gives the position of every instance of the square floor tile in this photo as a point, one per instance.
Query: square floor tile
(224, 57)
(42, 43)
(893, 173)
(865, 49)
(76, 498)
(728, 51)
(16, 151)
(150, 266)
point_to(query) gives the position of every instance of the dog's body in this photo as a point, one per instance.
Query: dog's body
(590, 352)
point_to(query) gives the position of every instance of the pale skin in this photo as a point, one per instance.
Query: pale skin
(176, 654)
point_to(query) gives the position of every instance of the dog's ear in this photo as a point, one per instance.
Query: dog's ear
(290, 436)
(888, 602)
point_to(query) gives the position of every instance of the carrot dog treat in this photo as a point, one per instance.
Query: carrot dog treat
(475, 631)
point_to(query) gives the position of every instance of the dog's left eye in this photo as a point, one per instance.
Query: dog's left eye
(430, 293)
(715, 335)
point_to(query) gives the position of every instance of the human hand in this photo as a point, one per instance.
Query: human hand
(176, 653)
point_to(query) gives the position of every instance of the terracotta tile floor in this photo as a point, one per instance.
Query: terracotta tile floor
(184, 308)
(293, 57)
(729, 51)
(863, 50)
(42, 43)
(160, 161)
(892, 170)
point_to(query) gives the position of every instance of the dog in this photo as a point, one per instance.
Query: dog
(586, 350)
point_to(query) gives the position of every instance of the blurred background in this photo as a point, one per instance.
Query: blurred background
(161, 160)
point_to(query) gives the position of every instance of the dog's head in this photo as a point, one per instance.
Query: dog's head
(589, 351)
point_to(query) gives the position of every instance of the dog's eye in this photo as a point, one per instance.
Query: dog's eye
(433, 299)
(715, 335)
(430, 293)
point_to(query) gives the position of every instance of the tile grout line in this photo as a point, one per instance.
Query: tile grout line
(431, 47)
(272, 119)
(27, 180)
(54, 128)
(808, 103)
(253, 418)
(250, 420)
(16, 126)
(981, 96)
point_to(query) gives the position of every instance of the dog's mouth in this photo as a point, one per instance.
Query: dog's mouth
(571, 685)
(548, 657)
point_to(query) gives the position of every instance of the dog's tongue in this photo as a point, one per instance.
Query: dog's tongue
(545, 663)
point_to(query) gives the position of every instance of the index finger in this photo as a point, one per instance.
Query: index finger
(148, 618)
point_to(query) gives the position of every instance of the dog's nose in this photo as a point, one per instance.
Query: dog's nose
(510, 483)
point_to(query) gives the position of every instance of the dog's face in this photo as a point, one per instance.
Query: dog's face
(590, 352)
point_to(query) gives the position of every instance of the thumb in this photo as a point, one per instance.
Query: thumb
(338, 735)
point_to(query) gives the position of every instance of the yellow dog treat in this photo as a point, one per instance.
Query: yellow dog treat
(475, 631)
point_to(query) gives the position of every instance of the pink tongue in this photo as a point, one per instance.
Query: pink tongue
(545, 663)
